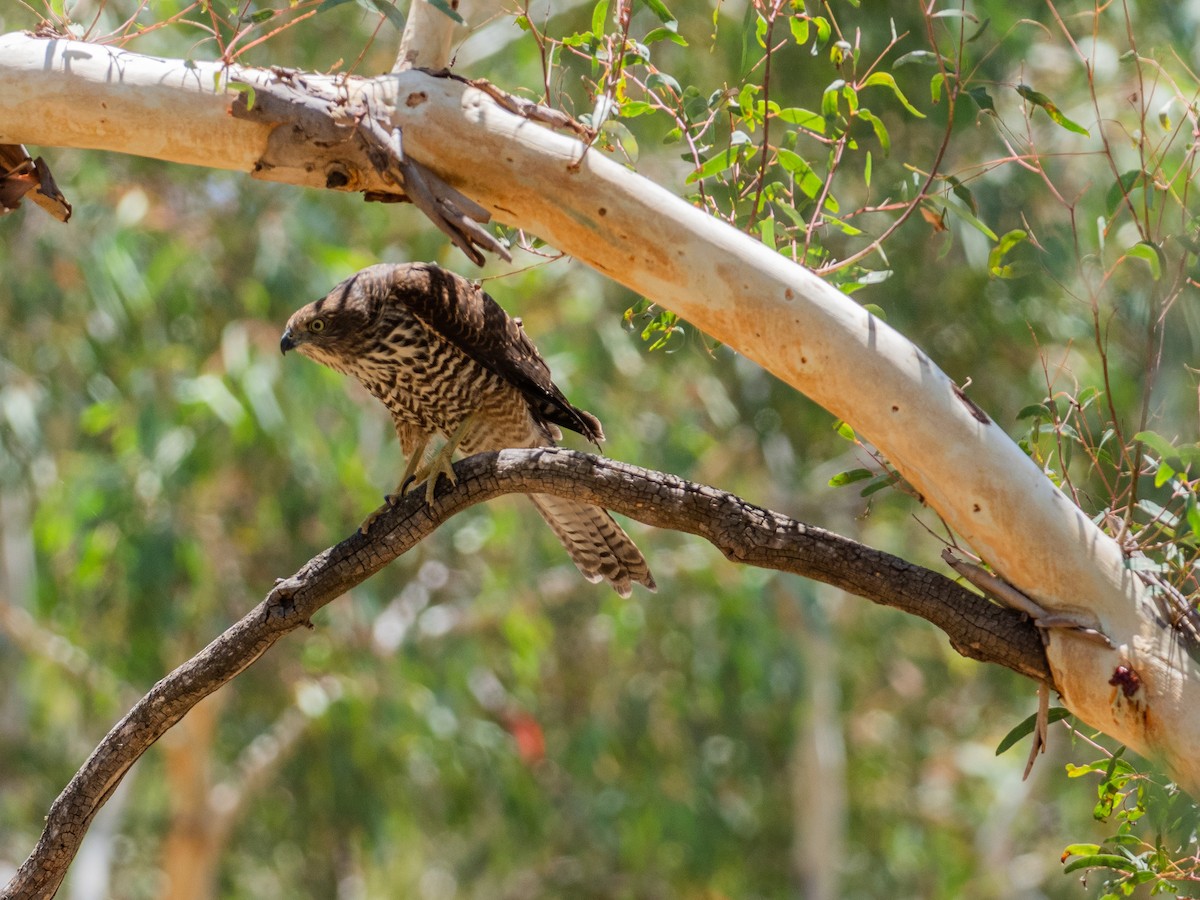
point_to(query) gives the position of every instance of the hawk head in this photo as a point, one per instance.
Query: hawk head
(332, 330)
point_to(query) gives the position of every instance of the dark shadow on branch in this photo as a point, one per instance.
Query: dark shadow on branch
(745, 533)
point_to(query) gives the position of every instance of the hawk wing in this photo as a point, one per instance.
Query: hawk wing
(464, 315)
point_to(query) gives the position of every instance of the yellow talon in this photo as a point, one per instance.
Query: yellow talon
(438, 466)
(415, 473)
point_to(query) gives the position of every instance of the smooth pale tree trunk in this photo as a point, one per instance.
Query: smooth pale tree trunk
(69, 94)
(818, 760)
(194, 840)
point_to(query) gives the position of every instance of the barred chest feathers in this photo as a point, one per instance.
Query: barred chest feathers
(425, 381)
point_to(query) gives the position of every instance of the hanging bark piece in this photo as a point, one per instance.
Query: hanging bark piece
(21, 176)
(316, 128)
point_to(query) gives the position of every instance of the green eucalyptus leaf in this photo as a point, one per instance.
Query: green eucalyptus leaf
(1026, 726)
(1149, 254)
(664, 15)
(881, 133)
(799, 27)
(389, 11)
(1037, 98)
(1099, 861)
(922, 57)
(841, 479)
(665, 34)
(886, 79)
(724, 160)
(982, 99)
(599, 17)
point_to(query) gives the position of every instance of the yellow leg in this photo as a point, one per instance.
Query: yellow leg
(415, 472)
(441, 463)
(410, 472)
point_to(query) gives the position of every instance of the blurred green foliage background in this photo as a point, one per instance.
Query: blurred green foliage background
(476, 721)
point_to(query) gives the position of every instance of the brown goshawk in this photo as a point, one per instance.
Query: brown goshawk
(446, 359)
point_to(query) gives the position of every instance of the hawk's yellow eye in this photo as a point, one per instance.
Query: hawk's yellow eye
(316, 326)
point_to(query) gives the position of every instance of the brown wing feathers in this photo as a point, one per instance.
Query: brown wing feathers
(478, 326)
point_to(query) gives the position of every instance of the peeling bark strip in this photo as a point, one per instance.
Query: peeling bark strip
(22, 176)
(743, 532)
(347, 133)
(780, 315)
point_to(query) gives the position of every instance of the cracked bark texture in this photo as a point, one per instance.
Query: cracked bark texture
(745, 533)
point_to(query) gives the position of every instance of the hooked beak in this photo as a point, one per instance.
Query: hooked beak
(287, 342)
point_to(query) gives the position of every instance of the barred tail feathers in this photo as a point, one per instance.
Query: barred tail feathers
(598, 546)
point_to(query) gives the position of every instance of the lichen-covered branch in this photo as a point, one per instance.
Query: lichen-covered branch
(743, 532)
